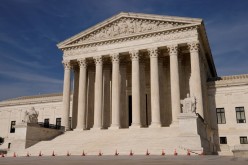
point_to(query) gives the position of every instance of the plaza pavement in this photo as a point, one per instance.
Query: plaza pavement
(121, 160)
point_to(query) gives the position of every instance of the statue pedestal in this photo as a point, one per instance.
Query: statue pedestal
(188, 123)
(28, 134)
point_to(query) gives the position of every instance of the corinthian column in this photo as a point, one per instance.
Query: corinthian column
(175, 85)
(135, 89)
(155, 102)
(66, 95)
(196, 76)
(98, 94)
(115, 91)
(81, 124)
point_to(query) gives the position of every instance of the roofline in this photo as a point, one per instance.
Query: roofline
(127, 14)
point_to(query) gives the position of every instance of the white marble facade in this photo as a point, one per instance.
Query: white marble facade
(132, 71)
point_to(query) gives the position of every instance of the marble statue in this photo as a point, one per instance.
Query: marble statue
(189, 104)
(31, 116)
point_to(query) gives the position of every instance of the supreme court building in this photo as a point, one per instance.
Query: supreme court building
(135, 82)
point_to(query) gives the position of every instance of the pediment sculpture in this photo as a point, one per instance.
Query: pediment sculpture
(189, 104)
(126, 26)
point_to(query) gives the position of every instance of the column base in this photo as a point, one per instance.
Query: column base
(79, 129)
(96, 128)
(155, 125)
(114, 127)
(134, 126)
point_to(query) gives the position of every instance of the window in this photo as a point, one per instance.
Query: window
(223, 140)
(9, 144)
(58, 123)
(243, 140)
(12, 126)
(221, 119)
(240, 114)
(46, 123)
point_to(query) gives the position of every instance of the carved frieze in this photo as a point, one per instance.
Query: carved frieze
(176, 35)
(127, 26)
(75, 51)
(156, 37)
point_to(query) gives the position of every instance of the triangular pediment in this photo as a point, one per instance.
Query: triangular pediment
(126, 25)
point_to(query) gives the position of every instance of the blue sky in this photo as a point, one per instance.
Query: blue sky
(30, 62)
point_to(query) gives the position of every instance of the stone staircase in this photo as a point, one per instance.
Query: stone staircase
(123, 140)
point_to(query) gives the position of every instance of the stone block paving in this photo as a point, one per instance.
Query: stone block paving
(121, 160)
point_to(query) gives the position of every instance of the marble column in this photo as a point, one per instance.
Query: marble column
(196, 76)
(175, 85)
(115, 92)
(155, 102)
(66, 95)
(98, 94)
(81, 123)
(136, 122)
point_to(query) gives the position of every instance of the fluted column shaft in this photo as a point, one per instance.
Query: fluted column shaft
(175, 84)
(66, 95)
(196, 76)
(135, 89)
(81, 123)
(115, 91)
(98, 94)
(155, 100)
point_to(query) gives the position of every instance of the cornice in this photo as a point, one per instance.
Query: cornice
(189, 31)
(26, 100)
(90, 44)
(226, 81)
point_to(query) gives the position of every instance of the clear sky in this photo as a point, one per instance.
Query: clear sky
(30, 62)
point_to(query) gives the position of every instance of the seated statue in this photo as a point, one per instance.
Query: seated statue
(31, 116)
(189, 104)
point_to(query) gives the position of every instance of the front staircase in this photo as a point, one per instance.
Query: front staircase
(123, 140)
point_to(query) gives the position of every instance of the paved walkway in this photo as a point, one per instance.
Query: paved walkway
(121, 160)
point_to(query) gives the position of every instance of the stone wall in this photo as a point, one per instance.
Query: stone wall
(228, 92)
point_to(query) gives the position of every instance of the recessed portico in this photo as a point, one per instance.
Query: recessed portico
(136, 70)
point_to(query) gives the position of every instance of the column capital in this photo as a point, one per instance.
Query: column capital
(173, 49)
(134, 54)
(67, 64)
(82, 62)
(193, 46)
(98, 60)
(115, 58)
(153, 52)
